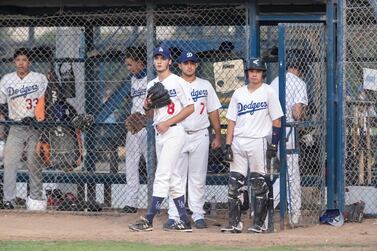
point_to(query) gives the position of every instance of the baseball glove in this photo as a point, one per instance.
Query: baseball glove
(135, 122)
(158, 96)
(83, 121)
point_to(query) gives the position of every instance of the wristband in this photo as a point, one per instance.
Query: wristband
(275, 135)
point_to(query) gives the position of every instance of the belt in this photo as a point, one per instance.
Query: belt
(173, 125)
(189, 132)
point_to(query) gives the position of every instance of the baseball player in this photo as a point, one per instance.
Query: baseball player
(296, 99)
(253, 111)
(170, 139)
(22, 90)
(136, 144)
(193, 162)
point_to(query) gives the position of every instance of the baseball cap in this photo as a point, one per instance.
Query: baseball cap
(163, 51)
(187, 56)
(332, 217)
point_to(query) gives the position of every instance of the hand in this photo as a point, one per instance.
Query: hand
(307, 139)
(162, 127)
(228, 153)
(216, 142)
(271, 151)
(147, 104)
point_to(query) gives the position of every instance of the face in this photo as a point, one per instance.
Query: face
(161, 63)
(188, 68)
(134, 66)
(255, 76)
(22, 64)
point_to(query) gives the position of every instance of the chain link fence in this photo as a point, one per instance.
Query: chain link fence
(360, 74)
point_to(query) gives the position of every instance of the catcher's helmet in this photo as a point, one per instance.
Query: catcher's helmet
(256, 64)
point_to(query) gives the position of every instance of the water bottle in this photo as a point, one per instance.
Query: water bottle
(213, 211)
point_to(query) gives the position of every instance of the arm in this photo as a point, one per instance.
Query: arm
(214, 118)
(298, 111)
(230, 131)
(184, 113)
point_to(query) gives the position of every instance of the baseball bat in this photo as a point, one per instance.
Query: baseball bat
(270, 207)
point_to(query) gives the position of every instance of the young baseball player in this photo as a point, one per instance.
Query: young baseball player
(22, 90)
(295, 101)
(136, 144)
(170, 139)
(253, 112)
(193, 162)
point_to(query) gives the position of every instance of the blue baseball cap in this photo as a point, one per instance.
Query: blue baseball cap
(163, 51)
(187, 56)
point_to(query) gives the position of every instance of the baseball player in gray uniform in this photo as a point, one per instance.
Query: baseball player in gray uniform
(193, 162)
(253, 112)
(22, 90)
(170, 139)
(295, 101)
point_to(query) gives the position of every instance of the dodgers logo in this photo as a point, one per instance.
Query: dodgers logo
(196, 94)
(21, 92)
(172, 93)
(138, 92)
(251, 107)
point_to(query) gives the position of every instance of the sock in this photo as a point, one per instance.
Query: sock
(152, 210)
(180, 204)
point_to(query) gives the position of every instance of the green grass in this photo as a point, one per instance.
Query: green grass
(112, 246)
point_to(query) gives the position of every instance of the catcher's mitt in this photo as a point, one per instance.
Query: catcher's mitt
(135, 122)
(158, 96)
(83, 121)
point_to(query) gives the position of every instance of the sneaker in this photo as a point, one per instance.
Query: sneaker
(168, 224)
(233, 229)
(142, 225)
(200, 224)
(180, 226)
(255, 229)
(8, 205)
(129, 210)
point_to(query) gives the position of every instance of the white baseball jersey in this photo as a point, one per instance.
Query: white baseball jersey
(254, 112)
(22, 95)
(179, 92)
(295, 92)
(205, 101)
(138, 93)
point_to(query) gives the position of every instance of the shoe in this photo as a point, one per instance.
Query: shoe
(168, 224)
(294, 220)
(255, 229)
(233, 229)
(8, 205)
(129, 210)
(180, 226)
(200, 224)
(142, 225)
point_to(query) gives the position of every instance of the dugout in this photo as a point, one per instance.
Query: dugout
(92, 35)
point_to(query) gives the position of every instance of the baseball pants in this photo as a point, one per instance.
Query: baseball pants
(20, 139)
(136, 145)
(192, 166)
(168, 149)
(249, 154)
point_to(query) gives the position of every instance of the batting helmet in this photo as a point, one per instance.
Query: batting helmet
(256, 64)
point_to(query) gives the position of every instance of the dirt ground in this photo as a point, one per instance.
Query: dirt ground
(21, 225)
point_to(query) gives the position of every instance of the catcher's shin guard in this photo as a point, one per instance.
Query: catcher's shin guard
(260, 188)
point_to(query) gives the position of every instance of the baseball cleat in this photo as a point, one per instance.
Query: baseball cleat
(255, 229)
(180, 226)
(200, 224)
(168, 224)
(142, 225)
(233, 229)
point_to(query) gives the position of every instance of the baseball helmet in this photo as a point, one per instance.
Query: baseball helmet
(255, 64)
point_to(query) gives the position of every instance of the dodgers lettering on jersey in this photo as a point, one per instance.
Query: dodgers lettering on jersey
(205, 101)
(254, 112)
(179, 92)
(22, 95)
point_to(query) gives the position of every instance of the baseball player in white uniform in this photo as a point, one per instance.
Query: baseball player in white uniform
(253, 111)
(295, 101)
(136, 144)
(22, 90)
(170, 139)
(193, 162)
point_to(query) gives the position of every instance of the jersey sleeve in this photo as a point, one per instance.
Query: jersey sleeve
(183, 93)
(213, 102)
(232, 108)
(3, 96)
(301, 96)
(274, 107)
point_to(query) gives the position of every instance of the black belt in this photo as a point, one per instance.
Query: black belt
(173, 125)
